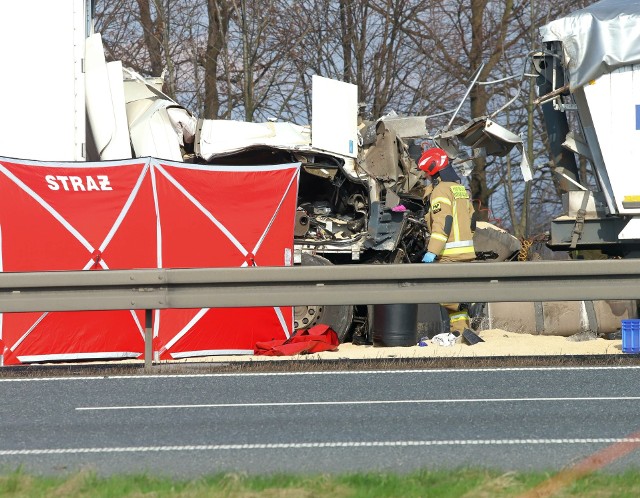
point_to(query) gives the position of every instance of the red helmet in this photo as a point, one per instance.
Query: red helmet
(433, 160)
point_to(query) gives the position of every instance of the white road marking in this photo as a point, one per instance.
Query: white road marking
(364, 402)
(327, 444)
(299, 374)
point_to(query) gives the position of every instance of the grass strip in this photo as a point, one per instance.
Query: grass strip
(476, 483)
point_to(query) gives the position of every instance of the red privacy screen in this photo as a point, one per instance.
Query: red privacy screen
(143, 213)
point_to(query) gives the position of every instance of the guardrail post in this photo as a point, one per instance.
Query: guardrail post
(148, 339)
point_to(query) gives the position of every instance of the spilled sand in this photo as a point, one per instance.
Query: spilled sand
(497, 342)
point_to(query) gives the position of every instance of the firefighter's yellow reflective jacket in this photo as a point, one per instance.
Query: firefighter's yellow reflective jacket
(450, 221)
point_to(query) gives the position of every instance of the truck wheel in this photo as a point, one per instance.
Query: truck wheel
(338, 317)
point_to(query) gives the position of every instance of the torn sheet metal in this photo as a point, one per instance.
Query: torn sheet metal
(598, 39)
(407, 126)
(487, 135)
(483, 133)
(387, 159)
(218, 137)
(381, 159)
(105, 102)
(184, 124)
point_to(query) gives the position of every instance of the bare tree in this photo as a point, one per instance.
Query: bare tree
(253, 60)
(153, 32)
(122, 33)
(150, 36)
(218, 12)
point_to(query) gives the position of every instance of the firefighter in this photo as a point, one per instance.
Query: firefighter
(451, 222)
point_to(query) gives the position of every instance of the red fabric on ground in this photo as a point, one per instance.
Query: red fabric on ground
(314, 340)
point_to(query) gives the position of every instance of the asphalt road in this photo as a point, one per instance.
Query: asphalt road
(510, 419)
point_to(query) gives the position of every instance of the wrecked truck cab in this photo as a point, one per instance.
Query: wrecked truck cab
(364, 207)
(347, 207)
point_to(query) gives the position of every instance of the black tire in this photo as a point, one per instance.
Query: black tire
(338, 317)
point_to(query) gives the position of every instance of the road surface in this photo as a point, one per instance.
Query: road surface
(191, 425)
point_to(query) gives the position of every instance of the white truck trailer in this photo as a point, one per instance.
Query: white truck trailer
(43, 83)
(589, 87)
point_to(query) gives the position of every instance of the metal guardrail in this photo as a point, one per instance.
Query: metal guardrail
(326, 285)
(345, 284)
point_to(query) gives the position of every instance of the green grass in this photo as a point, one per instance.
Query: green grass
(468, 483)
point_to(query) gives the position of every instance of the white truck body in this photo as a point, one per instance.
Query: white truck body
(612, 130)
(42, 44)
(599, 53)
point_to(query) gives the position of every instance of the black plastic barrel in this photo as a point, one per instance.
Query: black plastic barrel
(395, 325)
